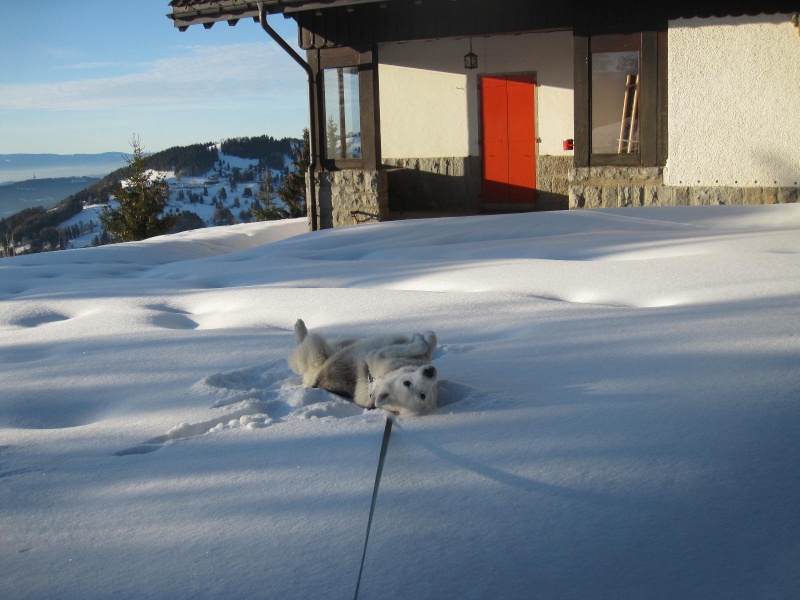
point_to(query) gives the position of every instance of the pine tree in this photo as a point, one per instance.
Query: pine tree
(142, 201)
(331, 135)
(223, 216)
(265, 207)
(293, 192)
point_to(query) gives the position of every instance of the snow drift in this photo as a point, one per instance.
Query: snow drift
(620, 415)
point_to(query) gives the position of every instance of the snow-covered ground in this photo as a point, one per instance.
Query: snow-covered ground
(620, 412)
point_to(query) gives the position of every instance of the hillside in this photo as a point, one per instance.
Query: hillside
(619, 413)
(216, 186)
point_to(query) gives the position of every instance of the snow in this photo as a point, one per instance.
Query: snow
(208, 185)
(620, 412)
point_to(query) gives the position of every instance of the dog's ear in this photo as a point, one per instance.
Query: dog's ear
(429, 372)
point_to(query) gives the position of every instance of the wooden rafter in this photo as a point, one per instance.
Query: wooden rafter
(203, 12)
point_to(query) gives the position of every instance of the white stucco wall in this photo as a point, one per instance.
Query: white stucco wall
(734, 102)
(429, 102)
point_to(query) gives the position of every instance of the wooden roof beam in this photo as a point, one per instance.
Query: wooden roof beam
(204, 12)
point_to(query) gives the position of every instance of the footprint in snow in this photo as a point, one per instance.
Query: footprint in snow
(253, 397)
(257, 396)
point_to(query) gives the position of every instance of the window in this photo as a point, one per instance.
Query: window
(621, 98)
(347, 118)
(342, 113)
(615, 91)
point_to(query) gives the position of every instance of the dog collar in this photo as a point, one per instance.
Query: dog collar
(373, 383)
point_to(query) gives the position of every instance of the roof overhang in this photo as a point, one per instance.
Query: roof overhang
(193, 12)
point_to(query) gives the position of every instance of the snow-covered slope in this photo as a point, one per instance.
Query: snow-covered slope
(199, 195)
(620, 414)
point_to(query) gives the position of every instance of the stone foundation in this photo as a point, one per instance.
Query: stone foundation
(611, 187)
(552, 182)
(351, 197)
(454, 183)
(440, 184)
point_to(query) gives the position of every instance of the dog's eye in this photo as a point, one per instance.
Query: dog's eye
(422, 396)
(407, 383)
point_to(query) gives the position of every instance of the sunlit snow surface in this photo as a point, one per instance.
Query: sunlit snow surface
(620, 412)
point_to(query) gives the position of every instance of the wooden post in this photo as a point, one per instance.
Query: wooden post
(634, 116)
(625, 102)
(342, 120)
(630, 109)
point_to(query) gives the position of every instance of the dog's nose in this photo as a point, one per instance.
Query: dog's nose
(429, 372)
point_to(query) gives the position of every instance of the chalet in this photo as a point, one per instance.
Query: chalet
(463, 106)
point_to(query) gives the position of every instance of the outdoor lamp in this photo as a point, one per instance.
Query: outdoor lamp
(470, 59)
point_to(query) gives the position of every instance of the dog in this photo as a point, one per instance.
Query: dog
(391, 372)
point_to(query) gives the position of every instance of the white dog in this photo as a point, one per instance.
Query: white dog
(389, 372)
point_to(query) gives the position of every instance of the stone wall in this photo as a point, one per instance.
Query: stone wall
(351, 197)
(454, 183)
(441, 183)
(608, 187)
(552, 182)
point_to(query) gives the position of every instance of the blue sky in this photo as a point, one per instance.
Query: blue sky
(84, 76)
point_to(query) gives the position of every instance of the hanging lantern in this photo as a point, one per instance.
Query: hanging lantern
(470, 59)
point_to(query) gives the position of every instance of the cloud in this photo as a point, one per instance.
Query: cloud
(218, 74)
(98, 64)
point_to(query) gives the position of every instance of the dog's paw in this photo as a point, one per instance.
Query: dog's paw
(430, 339)
(300, 331)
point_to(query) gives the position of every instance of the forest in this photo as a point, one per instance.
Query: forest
(263, 147)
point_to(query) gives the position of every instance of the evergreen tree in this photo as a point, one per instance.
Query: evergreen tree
(223, 216)
(142, 201)
(265, 207)
(187, 220)
(293, 192)
(331, 135)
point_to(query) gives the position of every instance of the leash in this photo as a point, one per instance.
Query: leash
(387, 432)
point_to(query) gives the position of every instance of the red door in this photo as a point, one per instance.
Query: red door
(509, 139)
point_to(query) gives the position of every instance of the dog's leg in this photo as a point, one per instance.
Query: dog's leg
(300, 331)
(430, 339)
(392, 357)
(310, 354)
(419, 346)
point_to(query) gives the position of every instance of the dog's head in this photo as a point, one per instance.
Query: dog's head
(409, 391)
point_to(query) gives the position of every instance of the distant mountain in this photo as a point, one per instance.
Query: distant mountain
(22, 167)
(19, 195)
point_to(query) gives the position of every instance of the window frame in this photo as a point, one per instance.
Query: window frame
(366, 62)
(604, 44)
(652, 99)
(344, 92)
